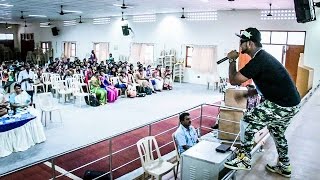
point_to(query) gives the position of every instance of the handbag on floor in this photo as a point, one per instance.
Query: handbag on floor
(92, 100)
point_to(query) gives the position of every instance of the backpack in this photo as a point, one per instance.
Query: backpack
(92, 100)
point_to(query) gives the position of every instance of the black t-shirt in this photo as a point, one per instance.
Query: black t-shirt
(272, 79)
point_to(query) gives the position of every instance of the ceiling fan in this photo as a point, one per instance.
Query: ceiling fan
(7, 26)
(269, 14)
(123, 5)
(63, 12)
(122, 19)
(21, 17)
(80, 20)
(183, 17)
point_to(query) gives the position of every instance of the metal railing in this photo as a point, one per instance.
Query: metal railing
(110, 139)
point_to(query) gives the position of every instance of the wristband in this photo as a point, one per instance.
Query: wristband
(232, 60)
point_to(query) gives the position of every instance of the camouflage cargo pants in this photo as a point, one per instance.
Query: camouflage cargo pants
(276, 118)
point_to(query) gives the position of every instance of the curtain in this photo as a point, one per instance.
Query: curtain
(135, 52)
(204, 59)
(141, 52)
(67, 49)
(103, 51)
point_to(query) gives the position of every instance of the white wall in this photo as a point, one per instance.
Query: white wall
(169, 31)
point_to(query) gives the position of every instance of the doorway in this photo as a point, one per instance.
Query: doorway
(27, 44)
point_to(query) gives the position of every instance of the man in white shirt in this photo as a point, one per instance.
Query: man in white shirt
(26, 79)
(186, 135)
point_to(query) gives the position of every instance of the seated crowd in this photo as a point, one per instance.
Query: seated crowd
(105, 79)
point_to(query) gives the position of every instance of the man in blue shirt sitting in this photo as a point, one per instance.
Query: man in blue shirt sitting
(186, 135)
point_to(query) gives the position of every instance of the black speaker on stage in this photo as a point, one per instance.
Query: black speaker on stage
(125, 30)
(304, 10)
(55, 31)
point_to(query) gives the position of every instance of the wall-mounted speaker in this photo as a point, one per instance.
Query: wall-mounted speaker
(305, 11)
(125, 30)
(55, 31)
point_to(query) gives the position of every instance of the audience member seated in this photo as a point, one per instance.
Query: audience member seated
(131, 69)
(158, 81)
(167, 84)
(26, 79)
(3, 103)
(123, 82)
(95, 88)
(19, 100)
(186, 135)
(112, 92)
(142, 81)
(88, 74)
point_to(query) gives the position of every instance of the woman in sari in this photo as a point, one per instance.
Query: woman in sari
(107, 85)
(95, 88)
(167, 79)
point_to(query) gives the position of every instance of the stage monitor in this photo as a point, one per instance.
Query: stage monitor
(125, 30)
(55, 31)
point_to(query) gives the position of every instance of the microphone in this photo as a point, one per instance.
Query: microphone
(222, 60)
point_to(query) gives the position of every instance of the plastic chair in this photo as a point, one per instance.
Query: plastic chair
(78, 92)
(45, 78)
(155, 167)
(46, 105)
(35, 86)
(177, 153)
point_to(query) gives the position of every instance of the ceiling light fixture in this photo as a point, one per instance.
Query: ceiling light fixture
(6, 5)
(122, 19)
(70, 11)
(269, 14)
(183, 17)
(37, 15)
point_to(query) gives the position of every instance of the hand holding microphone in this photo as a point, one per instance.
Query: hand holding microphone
(232, 55)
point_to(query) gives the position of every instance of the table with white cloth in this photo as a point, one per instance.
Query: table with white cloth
(21, 131)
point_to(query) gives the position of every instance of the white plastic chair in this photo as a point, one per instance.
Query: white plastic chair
(155, 167)
(63, 89)
(177, 152)
(47, 104)
(80, 78)
(35, 86)
(78, 92)
(45, 78)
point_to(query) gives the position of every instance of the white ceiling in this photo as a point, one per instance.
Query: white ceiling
(105, 8)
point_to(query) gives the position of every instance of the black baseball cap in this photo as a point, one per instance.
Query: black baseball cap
(250, 34)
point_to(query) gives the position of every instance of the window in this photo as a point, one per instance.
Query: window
(73, 49)
(6, 36)
(296, 38)
(69, 49)
(101, 50)
(148, 54)
(45, 46)
(189, 52)
(283, 37)
(97, 49)
(142, 52)
(279, 37)
(265, 37)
